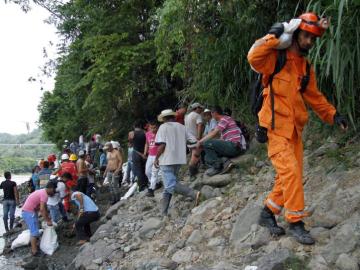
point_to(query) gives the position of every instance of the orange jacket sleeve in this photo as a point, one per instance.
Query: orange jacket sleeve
(262, 56)
(317, 100)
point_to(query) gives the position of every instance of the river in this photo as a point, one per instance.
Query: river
(19, 179)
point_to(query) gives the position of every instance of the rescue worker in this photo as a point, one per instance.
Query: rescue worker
(285, 148)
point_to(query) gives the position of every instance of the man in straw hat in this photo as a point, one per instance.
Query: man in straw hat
(171, 139)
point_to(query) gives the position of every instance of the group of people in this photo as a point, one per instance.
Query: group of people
(211, 137)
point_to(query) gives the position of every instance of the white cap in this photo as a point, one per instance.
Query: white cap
(64, 156)
(115, 144)
(81, 153)
(207, 110)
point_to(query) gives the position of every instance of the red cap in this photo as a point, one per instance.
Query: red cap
(310, 23)
(51, 158)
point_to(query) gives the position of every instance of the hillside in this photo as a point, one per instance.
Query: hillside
(20, 158)
(222, 232)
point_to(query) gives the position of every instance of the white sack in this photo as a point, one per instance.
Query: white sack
(49, 242)
(130, 192)
(23, 239)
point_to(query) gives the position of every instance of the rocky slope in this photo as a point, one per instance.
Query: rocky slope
(222, 232)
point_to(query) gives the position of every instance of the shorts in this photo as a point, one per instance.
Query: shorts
(32, 221)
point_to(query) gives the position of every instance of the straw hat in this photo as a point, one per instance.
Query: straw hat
(164, 113)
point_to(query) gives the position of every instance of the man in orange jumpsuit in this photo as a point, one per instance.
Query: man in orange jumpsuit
(285, 148)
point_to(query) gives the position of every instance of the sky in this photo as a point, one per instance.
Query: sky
(22, 39)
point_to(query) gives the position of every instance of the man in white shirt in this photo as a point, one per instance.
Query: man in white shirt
(171, 139)
(194, 122)
(56, 210)
(194, 125)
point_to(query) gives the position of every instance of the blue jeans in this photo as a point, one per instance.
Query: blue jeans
(9, 207)
(171, 184)
(55, 213)
(129, 170)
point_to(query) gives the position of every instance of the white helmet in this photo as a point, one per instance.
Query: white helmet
(64, 156)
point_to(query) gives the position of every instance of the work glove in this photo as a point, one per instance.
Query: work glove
(261, 134)
(277, 29)
(286, 37)
(340, 120)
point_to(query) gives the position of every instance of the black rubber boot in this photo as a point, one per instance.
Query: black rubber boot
(12, 223)
(6, 225)
(267, 219)
(297, 230)
(165, 203)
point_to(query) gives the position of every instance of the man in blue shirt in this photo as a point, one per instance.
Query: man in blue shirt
(44, 175)
(88, 212)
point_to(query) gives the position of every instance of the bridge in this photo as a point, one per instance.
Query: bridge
(27, 144)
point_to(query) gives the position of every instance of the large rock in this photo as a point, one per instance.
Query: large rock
(224, 265)
(275, 260)
(208, 192)
(114, 209)
(345, 241)
(195, 238)
(345, 262)
(204, 212)
(318, 262)
(157, 263)
(322, 150)
(149, 227)
(244, 160)
(219, 180)
(185, 255)
(242, 227)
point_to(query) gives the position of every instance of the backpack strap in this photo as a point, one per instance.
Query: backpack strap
(280, 63)
(305, 79)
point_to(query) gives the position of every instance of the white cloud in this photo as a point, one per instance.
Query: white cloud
(22, 39)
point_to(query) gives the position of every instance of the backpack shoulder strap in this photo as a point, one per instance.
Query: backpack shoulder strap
(305, 79)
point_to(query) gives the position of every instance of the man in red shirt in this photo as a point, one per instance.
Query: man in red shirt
(69, 167)
(231, 144)
(180, 114)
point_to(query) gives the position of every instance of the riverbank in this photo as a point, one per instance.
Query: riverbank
(20, 258)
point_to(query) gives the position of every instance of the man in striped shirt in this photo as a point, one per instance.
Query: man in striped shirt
(218, 151)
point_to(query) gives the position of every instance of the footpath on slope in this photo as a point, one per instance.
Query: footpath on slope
(222, 232)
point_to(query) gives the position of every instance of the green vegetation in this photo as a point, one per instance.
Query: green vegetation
(20, 158)
(123, 60)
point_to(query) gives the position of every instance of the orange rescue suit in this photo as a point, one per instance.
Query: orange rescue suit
(285, 148)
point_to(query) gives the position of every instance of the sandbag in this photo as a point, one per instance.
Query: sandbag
(130, 192)
(49, 242)
(23, 239)
(106, 181)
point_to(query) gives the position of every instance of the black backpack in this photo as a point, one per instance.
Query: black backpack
(257, 88)
(244, 130)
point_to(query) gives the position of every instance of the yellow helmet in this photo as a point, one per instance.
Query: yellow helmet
(73, 157)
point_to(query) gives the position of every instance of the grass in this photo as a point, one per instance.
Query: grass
(293, 263)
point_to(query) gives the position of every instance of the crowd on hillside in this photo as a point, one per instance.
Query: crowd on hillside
(285, 87)
(155, 152)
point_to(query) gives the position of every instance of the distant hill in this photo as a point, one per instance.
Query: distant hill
(21, 158)
(34, 137)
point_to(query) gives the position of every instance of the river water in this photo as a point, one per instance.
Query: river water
(19, 179)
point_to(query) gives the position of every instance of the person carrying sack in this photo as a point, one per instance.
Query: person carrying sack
(283, 116)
